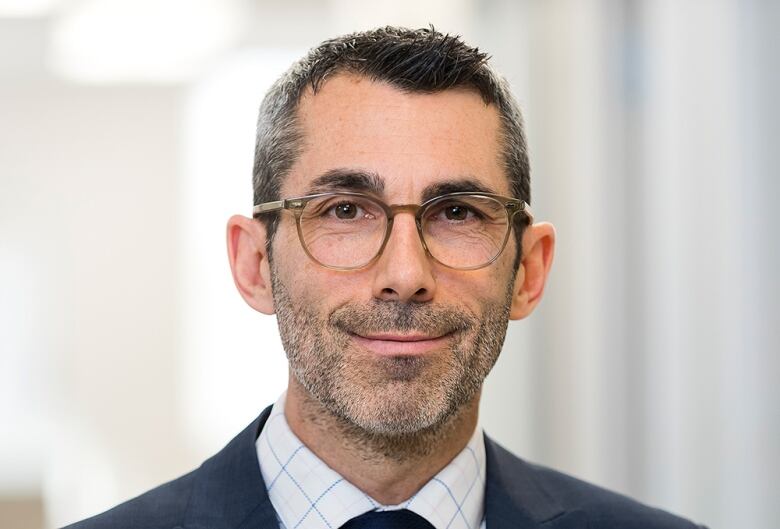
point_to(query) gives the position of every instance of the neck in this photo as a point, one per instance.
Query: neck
(389, 468)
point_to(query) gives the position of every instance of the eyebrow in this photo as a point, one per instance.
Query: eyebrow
(347, 180)
(344, 179)
(462, 185)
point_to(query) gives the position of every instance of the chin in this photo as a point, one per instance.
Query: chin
(397, 410)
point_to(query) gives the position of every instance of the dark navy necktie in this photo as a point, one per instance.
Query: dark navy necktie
(403, 519)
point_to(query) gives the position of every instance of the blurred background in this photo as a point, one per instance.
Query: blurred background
(126, 135)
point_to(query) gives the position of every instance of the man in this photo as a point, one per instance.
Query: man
(392, 237)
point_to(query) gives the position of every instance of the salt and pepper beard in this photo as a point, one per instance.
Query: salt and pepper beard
(395, 405)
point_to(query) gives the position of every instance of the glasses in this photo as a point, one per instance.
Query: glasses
(348, 231)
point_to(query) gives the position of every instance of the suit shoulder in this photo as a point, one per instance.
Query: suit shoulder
(604, 508)
(559, 492)
(162, 507)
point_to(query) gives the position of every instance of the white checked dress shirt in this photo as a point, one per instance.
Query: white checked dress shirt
(307, 494)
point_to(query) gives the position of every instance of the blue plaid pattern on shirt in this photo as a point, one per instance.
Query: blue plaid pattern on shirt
(307, 494)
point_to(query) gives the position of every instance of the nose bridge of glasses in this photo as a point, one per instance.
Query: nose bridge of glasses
(395, 209)
(414, 210)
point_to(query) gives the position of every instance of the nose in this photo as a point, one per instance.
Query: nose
(403, 271)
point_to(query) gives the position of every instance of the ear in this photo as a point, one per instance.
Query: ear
(538, 250)
(246, 241)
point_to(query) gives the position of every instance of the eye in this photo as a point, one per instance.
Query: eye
(345, 210)
(348, 209)
(456, 212)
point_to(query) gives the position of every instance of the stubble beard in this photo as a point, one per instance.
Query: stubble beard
(395, 404)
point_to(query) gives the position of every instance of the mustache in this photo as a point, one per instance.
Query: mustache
(396, 316)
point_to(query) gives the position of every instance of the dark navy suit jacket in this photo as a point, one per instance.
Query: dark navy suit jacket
(227, 492)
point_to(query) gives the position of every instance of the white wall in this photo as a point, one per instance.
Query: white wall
(90, 250)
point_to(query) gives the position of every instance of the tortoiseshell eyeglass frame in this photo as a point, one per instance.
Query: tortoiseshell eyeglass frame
(296, 206)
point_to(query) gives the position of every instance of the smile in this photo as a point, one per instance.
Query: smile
(401, 344)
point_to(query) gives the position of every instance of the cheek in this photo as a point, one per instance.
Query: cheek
(478, 288)
(311, 285)
(290, 259)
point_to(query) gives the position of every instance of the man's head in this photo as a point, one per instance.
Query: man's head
(413, 61)
(401, 344)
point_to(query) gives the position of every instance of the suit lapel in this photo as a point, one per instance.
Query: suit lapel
(514, 498)
(229, 492)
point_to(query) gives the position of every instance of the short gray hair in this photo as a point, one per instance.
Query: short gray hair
(421, 60)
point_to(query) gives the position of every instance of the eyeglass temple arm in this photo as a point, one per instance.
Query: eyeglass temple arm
(267, 207)
(525, 209)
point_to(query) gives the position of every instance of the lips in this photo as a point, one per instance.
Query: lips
(394, 344)
(391, 337)
(395, 329)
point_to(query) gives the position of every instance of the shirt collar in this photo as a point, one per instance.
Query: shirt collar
(307, 494)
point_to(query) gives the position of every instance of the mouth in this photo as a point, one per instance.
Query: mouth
(397, 344)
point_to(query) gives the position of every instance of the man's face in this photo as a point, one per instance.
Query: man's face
(400, 345)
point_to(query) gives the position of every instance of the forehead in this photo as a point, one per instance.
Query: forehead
(409, 140)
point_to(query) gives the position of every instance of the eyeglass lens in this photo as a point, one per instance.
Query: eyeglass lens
(346, 231)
